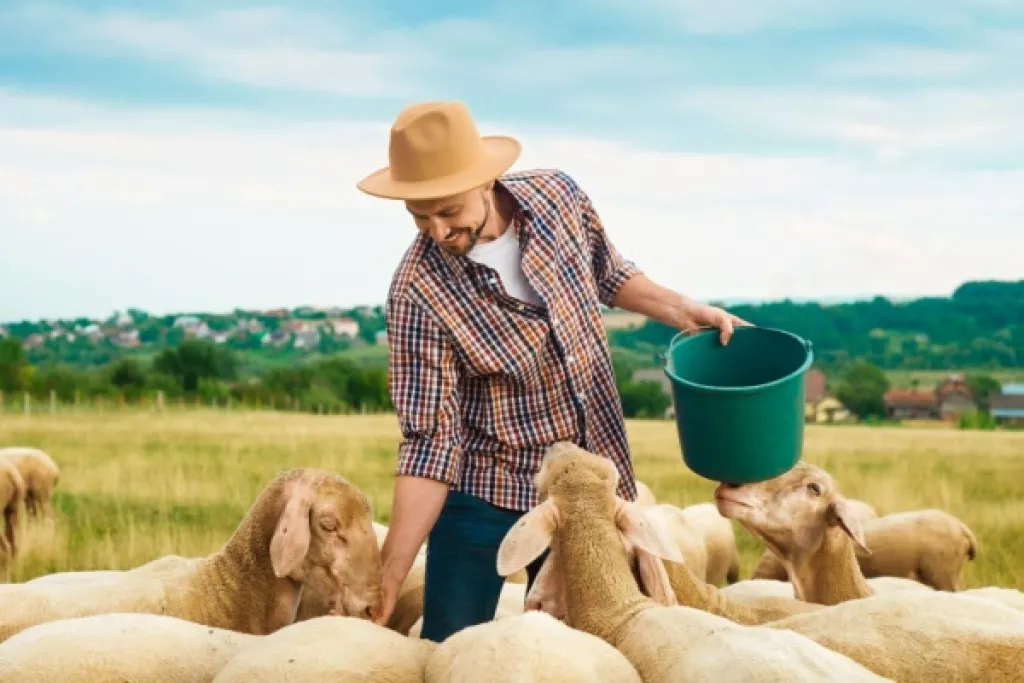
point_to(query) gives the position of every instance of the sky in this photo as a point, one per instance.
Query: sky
(189, 155)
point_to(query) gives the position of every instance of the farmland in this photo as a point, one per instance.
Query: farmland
(137, 484)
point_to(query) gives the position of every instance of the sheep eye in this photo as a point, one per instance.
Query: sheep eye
(814, 488)
(328, 524)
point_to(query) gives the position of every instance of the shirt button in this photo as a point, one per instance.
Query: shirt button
(572, 359)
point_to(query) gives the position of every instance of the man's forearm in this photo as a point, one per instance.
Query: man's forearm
(642, 295)
(415, 509)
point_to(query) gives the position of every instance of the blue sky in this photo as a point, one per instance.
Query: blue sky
(202, 155)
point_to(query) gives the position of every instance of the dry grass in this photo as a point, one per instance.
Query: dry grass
(136, 485)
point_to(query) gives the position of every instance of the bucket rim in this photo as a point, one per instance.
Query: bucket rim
(808, 361)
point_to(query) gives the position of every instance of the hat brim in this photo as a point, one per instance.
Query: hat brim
(500, 152)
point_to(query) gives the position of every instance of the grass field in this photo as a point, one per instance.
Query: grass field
(136, 485)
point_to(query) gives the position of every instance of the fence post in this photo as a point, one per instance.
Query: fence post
(78, 399)
(27, 403)
(160, 401)
(1, 401)
(53, 402)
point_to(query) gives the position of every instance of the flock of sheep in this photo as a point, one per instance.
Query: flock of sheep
(629, 592)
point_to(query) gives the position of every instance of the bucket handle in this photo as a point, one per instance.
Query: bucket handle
(663, 355)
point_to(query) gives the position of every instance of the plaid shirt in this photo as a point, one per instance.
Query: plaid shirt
(482, 382)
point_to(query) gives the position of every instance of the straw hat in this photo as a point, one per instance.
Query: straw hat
(436, 151)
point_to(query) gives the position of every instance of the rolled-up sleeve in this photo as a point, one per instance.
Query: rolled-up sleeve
(611, 268)
(423, 379)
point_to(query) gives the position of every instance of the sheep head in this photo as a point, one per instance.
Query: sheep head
(324, 538)
(572, 481)
(791, 513)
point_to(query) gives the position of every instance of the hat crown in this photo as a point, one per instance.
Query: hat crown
(432, 140)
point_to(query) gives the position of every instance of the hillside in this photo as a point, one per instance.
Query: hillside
(980, 326)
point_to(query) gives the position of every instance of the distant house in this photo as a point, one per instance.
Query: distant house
(307, 340)
(344, 327)
(819, 405)
(955, 398)
(278, 337)
(911, 404)
(1007, 407)
(948, 401)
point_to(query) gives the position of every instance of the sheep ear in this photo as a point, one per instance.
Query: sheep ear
(291, 537)
(528, 538)
(841, 513)
(650, 545)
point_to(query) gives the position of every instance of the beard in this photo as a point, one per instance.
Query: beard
(456, 246)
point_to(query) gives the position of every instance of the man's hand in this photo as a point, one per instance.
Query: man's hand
(642, 295)
(417, 504)
(694, 315)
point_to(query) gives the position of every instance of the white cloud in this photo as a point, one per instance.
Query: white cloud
(124, 208)
(946, 121)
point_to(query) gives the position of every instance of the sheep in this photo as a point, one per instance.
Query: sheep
(329, 648)
(308, 527)
(113, 648)
(12, 492)
(41, 475)
(581, 518)
(909, 636)
(528, 647)
(160, 564)
(687, 579)
(759, 588)
(722, 556)
(929, 546)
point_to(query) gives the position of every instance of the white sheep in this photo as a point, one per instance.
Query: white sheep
(308, 527)
(763, 588)
(929, 546)
(12, 492)
(581, 520)
(114, 648)
(527, 647)
(41, 475)
(644, 494)
(721, 554)
(906, 635)
(330, 648)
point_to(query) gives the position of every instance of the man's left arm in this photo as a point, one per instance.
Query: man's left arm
(621, 284)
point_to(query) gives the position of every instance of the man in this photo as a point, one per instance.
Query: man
(497, 350)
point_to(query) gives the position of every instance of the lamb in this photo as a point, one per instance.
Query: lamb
(308, 527)
(909, 636)
(330, 648)
(929, 546)
(581, 520)
(41, 475)
(113, 648)
(12, 492)
(528, 647)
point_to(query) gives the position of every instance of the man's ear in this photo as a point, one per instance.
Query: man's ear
(840, 514)
(530, 537)
(650, 545)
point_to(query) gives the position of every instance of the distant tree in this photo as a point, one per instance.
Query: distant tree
(128, 375)
(644, 399)
(862, 389)
(983, 386)
(13, 364)
(194, 360)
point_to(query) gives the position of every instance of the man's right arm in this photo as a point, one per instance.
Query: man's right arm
(424, 384)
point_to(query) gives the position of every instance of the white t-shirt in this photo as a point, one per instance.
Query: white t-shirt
(505, 257)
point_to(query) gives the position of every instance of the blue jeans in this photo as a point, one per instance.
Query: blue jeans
(461, 581)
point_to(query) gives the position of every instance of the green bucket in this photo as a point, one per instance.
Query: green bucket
(739, 408)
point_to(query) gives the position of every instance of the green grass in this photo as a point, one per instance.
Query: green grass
(136, 484)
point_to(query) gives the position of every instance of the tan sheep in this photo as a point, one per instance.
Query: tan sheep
(12, 492)
(930, 546)
(687, 578)
(583, 521)
(907, 635)
(644, 494)
(115, 648)
(308, 527)
(41, 475)
(527, 647)
(722, 555)
(330, 648)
